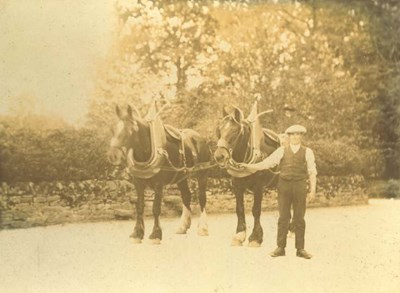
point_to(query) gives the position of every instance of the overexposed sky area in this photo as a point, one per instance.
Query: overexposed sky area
(49, 49)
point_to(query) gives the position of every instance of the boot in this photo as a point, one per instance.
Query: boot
(280, 251)
(304, 254)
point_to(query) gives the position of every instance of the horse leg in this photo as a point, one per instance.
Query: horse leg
(138, 231)
(186, 218)
(156, 234)
(202, 228)
(256, 237)
(240, 235)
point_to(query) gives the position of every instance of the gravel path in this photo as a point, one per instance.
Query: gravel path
(356, 249)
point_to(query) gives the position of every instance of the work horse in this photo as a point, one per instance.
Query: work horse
(243, 140)
(158, 155)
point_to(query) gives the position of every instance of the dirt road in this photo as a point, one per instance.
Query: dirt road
(356, 249)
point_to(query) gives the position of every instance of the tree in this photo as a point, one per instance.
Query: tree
(330, 65)
(162, 50)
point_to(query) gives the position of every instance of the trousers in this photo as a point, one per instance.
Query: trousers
(291, 192)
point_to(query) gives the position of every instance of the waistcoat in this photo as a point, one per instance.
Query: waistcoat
(294, 165)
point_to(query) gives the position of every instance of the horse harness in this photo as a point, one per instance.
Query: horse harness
(253, 153)
(159, 154)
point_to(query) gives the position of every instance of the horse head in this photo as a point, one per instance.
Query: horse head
(229, 133)
(122, 134)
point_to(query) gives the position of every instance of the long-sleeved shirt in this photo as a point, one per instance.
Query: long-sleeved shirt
(276, 157)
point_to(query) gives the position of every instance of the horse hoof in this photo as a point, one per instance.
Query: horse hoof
(137, 240)
(155, 241)
(181, 231)
(202, 232)
(254, 244)
(239, 238)
(236, 242)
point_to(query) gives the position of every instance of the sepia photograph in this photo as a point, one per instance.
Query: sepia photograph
(214, 146)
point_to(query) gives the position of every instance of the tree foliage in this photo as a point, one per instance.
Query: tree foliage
(332, 66)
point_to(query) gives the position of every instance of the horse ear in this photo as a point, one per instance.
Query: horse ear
(224, 111)
(136, 111)
(218, 132)
(133, 112)
(238, 114)
(129, 109)
(118, 111)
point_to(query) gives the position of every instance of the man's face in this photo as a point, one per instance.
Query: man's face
(295, 138)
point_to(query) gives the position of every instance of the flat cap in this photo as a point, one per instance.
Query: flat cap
(296, 129)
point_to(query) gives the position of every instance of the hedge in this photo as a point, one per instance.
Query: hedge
(28, 155)
(79, 154)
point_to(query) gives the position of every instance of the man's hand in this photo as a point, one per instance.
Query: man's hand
(250, 167)
(241, 166)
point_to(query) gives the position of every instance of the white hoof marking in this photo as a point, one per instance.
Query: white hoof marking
(181, 230)
(155, 241)
(254, 244)
(137, 240)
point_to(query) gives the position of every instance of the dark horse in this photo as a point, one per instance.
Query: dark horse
(159, 155)
(243, 140)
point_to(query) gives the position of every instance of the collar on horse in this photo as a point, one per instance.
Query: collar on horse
(158, 140)
(153, 165)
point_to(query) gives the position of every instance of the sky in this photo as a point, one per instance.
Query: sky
(49, 49)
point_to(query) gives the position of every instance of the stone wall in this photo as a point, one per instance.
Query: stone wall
(25, 204)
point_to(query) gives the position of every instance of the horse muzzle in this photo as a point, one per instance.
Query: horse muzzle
(221, 156)
(115, 156)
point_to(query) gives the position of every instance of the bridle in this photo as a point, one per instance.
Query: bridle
(222, 143)
(253, 153)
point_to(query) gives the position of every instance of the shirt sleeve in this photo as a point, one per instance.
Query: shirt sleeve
(273, 159)
(310, 159)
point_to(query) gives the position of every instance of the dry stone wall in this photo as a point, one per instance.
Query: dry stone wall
(25, 204)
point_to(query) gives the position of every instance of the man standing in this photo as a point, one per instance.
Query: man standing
(297, 164)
